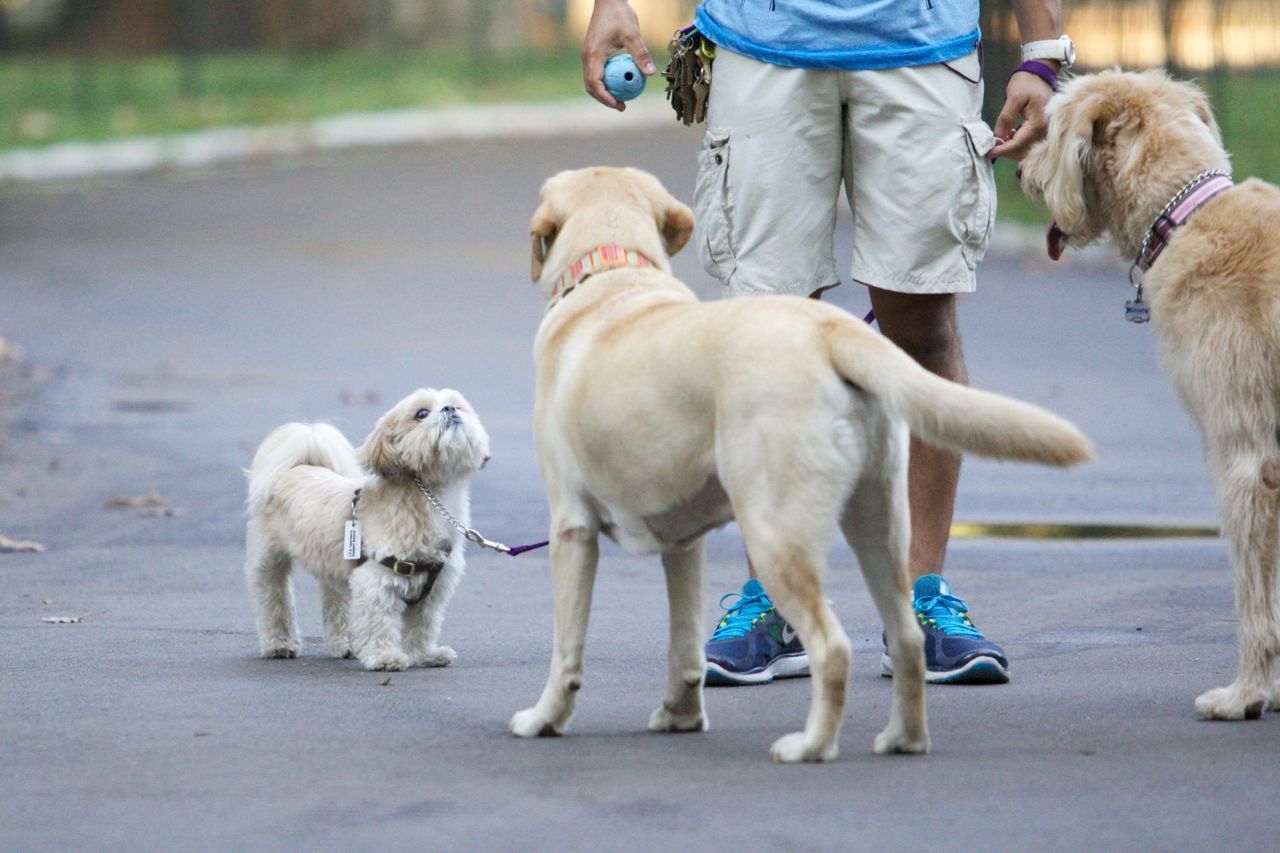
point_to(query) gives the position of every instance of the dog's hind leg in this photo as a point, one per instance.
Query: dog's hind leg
(268, 575)
(336, 609)
(876, 523)
(786, 535)
(574, 555)
(376, 614)
(1251, 511)
(681, 710)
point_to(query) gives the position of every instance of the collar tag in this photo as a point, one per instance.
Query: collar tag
(352, 542)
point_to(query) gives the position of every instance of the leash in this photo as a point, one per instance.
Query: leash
(470, 534)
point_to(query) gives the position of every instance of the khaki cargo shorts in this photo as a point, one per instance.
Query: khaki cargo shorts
(908, 143)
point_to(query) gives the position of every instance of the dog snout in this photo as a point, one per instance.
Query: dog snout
(448, 410)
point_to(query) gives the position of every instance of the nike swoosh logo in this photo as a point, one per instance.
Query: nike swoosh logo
(788, 634)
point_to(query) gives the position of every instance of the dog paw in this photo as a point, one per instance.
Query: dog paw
(895, 740)
(439, 656)
(666, 720)
(281, 651)
(796, 748)
(531, 723)
(1231, 703)
(385, 661)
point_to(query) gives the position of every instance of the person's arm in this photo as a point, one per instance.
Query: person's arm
(613, 26)
(1027, 94)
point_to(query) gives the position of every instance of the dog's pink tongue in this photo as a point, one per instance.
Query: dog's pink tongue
(1056, 240)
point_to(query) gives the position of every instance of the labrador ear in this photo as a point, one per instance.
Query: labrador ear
(676, 226)
(542, 233)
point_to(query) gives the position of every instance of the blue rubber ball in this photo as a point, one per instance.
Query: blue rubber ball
(622, 78)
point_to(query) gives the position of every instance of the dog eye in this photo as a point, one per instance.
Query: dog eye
(422, 414)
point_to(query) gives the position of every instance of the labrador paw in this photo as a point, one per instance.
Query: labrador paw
(665, 720)
(797, 747)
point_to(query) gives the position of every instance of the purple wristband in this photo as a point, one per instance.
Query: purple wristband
(1041, 70)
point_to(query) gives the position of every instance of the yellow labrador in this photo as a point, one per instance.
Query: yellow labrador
(659, 418)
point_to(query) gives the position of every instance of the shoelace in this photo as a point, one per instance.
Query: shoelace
(948, 613)
(739, 618)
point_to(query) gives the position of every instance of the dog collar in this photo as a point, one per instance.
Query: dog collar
(599, 259)
(1193, 196)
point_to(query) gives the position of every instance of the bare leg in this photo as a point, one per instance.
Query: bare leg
(926, 328)
(681, 710)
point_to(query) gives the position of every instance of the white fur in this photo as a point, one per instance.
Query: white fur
(1120, 145)
(301, 485)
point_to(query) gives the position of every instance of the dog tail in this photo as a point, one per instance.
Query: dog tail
(297, 444)
(948, 414)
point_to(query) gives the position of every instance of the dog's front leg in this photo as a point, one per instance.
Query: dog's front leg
(376, 608)
(574, 554)
(422, 622)
(681, 710)
(1250, 509)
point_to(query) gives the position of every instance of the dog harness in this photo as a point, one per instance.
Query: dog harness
(600, 259)
(405, 568)
(1194, 195)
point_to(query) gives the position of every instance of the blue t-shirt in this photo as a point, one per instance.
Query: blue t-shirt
(848, 34)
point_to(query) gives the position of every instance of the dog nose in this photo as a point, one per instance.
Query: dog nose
(447, 410)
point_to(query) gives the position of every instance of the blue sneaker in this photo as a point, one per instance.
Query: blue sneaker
(955, 652)
(753, 644)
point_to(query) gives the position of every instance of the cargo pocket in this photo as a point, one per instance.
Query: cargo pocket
(713, 206)
(977, 200)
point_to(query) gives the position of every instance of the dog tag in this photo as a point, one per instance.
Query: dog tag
(351, 542)
(1136, 311)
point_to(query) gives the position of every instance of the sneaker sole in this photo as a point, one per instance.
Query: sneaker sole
(980, 670)
(787, 666)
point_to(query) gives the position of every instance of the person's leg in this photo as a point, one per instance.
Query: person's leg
(922, 194)
(925, 327)
(768, 180)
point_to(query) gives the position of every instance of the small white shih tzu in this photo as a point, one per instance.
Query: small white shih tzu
(387, 560)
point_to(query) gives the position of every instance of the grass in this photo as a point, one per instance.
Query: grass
(44, 100)
(47, 100)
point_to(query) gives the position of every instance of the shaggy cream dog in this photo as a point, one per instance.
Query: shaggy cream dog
(386, 605)
(658, 418)
(1127, 155)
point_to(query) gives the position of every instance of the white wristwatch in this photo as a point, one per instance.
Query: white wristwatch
(1061, 49)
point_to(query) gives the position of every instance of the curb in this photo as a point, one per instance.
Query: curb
(70, 160)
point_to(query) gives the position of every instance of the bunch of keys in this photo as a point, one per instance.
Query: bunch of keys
(689, 74)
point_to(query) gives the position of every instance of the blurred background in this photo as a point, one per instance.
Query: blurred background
(99, 69)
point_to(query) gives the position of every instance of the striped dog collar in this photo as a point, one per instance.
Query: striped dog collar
(599, 259)
(1187, 201)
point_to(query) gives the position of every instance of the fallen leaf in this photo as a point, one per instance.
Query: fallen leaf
(47, 601)
(62, 620)
(8, 545)
(151, 498)
(387, 683)
(9, 351)
(202, 734)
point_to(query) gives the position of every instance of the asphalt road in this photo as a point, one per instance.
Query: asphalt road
(173, 320)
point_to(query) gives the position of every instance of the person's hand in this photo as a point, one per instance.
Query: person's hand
(613, 26)
(1025, 98)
